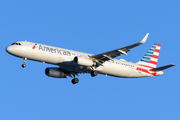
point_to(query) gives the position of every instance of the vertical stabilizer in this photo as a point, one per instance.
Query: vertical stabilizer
(150, 59)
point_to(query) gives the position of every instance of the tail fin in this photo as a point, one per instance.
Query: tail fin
(150, 59)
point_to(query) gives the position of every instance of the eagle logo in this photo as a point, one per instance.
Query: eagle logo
(34, 46)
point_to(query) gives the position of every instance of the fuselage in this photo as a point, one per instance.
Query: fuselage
(64, 59)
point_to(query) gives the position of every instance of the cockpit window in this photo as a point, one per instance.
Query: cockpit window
(16, 44)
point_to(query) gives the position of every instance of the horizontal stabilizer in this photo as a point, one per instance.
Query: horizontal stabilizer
(162, 68)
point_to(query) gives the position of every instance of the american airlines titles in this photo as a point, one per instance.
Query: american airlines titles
(54, 50)
(64, 52)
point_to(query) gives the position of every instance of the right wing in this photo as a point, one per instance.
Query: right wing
(103, 57)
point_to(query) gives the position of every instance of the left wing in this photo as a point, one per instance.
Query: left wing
(68, 72)
(101, 58)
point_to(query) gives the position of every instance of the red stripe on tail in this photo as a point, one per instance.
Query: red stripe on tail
(155, 56)
(159, 45)
(153, 62)
(156, 50)
(146, 66)
(145, 71)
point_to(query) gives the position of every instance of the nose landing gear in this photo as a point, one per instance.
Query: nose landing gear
(24, 60)
(23, 65)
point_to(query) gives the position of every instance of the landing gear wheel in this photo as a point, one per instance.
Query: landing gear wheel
(23, 65)
(94, 73)
(24, 60)
(75, 80)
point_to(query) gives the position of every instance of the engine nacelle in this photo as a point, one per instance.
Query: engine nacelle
(83, 61)
(55, 72)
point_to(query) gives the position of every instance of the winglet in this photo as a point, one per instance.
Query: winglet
(145, 38)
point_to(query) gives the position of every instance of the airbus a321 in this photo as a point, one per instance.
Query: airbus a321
(71, 63)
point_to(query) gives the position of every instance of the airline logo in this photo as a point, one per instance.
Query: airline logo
(149, 60)
(55, 50)
(34, 46)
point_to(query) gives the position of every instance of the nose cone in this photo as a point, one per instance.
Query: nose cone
(9, 49)
(14, 50)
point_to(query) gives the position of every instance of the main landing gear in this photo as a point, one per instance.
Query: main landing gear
(94, 73)
(75, 80)
(24, 60)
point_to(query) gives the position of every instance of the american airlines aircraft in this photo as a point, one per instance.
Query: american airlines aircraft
(71, 63)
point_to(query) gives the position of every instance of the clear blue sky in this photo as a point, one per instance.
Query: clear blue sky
(92, 26)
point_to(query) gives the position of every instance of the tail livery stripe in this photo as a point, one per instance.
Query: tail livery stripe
(155, 56)
(154, 59)
(156, 50)
(149, 60)
(149, 52)
(146, 57)
(153, 62)
(159, 45)
(153, 46)
(145, 61)
(146, 66)
(146, 71)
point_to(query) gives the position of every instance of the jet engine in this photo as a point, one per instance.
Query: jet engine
(55, 72)
(83, 61)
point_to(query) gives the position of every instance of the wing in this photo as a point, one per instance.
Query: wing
(69, 72)
(101, 58)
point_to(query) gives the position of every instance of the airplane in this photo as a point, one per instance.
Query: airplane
(72, 63)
